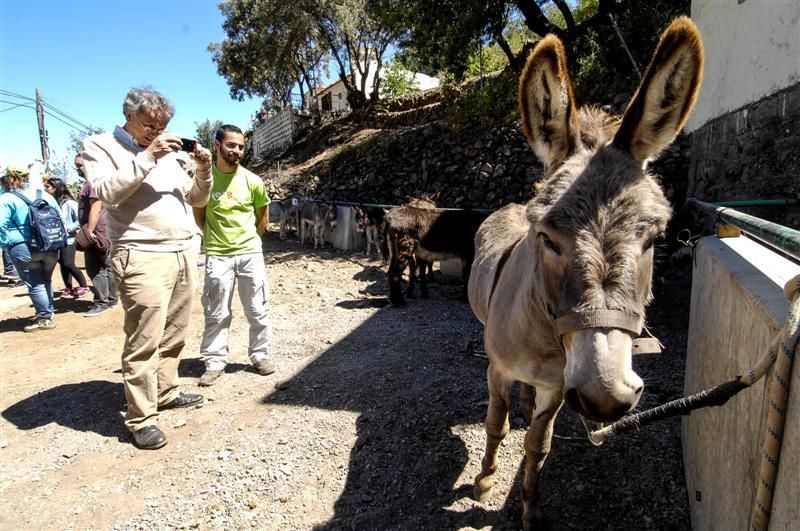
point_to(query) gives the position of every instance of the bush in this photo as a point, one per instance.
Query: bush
(492, 105)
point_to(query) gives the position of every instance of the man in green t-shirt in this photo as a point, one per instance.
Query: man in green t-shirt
(233, 220)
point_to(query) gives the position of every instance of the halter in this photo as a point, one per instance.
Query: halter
(619, 319)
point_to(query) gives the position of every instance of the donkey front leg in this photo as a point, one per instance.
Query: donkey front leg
(423, 267)
(397, 265)
(537, 446)
(496, 429)
(284, 221)
(412, 275)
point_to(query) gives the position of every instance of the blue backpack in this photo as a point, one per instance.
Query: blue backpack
(47, 227)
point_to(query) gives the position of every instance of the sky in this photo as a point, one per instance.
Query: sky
(84, 56)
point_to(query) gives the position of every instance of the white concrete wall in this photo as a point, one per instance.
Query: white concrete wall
(752, 51)
(275, 133)
(737, 308)
(346, 236)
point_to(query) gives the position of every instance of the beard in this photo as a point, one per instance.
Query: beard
(231, 157)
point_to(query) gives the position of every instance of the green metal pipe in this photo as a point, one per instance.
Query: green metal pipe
(783, 238)
(755, 202)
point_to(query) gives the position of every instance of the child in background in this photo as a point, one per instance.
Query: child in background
(66, 260)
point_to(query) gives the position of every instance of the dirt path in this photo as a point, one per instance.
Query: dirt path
(372, 421)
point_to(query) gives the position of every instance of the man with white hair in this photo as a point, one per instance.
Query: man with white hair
(148, 198)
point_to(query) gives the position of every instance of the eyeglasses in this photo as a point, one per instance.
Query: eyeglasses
(148, 128)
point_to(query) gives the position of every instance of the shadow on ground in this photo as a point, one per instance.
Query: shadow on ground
(406, 374)
(87, 406)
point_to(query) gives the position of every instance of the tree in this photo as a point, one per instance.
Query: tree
(76, 138)
(272, 46)
(398, 80)
(586, 27)
(206, 134)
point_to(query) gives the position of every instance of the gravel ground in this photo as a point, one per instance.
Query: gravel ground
(372, 421)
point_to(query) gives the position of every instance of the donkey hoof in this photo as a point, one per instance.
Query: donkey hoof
(481, 493)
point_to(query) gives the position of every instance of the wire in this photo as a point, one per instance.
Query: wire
(65, 115)
(51, 115)
(15, 105)
(45, 103)
(14, 95)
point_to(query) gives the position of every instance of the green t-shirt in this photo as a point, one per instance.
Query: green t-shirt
(230, 213)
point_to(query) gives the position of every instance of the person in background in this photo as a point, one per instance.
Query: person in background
(148, 197)
(34, 267)
(66, 259)
(10, 274)
(96, 259)
(233, 222)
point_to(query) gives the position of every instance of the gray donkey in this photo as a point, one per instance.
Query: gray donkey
(316, 216)
(561, 284)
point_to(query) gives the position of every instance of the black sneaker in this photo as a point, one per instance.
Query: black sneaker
(182, 400)
(149, 438)
(96, 310)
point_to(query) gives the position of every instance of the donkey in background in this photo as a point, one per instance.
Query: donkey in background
(285, 211)
(369, 221)
(561, 284)
(316, 216)
(424, 235)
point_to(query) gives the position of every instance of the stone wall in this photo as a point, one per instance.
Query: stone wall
(751, 153)
(469, 170)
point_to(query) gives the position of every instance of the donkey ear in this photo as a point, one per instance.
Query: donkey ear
(666, 95)
(549, 116)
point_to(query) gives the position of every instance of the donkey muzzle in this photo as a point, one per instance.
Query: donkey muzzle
(599, 380)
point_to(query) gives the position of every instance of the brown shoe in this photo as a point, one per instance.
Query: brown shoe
(264, 367)
(208, 378)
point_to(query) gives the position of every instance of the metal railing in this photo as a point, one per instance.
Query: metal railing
(782, 238)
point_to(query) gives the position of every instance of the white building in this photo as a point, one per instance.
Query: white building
(276, 132)
(333, 98)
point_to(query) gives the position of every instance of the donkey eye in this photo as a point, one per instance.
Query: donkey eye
(549, 243)
(651, 241)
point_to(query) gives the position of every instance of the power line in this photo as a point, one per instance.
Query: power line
(65, 115)
(48, 105)
(51, 115)
(14, 95)
(15, 105)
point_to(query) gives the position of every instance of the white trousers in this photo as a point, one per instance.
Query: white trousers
(222, 272)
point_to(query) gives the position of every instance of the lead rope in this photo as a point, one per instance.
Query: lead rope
(781, 353)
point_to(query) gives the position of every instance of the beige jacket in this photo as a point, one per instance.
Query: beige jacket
(148, 203)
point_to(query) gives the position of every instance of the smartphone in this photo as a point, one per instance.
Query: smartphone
(188, 144)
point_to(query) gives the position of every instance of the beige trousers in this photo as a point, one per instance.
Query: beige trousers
(156, 291)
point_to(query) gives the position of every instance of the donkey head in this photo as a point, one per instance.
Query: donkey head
(330, 215)
(360, 217)
(424, 201)
(598, 211)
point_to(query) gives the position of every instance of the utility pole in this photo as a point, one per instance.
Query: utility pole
(42, 130)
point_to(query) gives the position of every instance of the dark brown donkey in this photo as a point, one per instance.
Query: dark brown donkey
(429, 235)
(561, 284)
